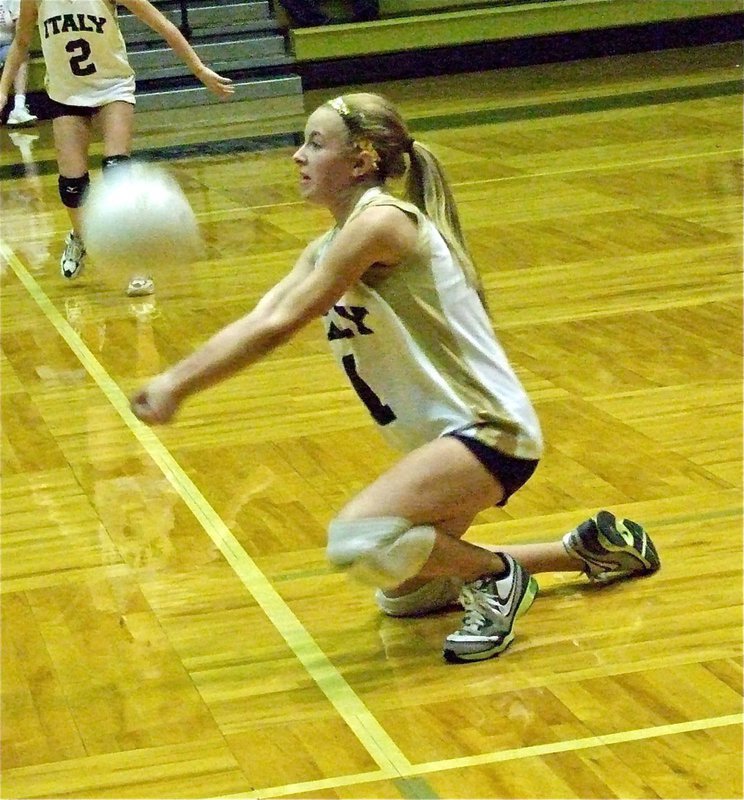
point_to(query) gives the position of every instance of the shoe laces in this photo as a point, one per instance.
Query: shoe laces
(473, 601)
(74, 249)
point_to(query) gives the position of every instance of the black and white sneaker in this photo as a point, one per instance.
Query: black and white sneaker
(71, 263)
(612, 548)
(492, 605)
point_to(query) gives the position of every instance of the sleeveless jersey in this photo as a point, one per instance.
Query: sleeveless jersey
(420, 351)
(84, 52)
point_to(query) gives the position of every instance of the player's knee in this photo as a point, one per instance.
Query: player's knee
(383, 551)
(72, 190)
(108, 162)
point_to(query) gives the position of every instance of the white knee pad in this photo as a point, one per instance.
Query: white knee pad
(382, 551)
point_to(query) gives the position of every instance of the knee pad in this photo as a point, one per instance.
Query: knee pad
(72, 190)
(382, 551)
(112, 161)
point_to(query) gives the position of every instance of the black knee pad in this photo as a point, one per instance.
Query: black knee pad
(72, 190)
(113, 161)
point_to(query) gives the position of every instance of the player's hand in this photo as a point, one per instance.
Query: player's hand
(156, 403)
(217, 84)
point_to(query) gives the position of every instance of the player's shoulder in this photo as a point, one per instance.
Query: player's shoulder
(388, 217)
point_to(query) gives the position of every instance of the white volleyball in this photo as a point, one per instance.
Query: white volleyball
(137, 218)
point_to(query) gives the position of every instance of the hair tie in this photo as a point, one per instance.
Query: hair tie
(338, 104)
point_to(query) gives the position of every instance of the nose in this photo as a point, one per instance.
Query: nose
(299, 155)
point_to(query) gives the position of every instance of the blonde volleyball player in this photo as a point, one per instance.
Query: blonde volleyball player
(88, 76)
(401, 304)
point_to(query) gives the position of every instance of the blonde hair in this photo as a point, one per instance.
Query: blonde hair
(375, 126)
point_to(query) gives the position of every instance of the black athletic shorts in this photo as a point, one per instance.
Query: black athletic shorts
(56, 109)
(511, 472)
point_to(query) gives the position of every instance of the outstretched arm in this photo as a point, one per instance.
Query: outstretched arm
(152, 17)
(18, 52)
(231, 349)
(306, 293)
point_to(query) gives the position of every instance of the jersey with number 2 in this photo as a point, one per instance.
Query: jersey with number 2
(84, 52)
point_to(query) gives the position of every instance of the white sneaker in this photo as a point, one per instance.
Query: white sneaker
(71, 263)
(436, 595)
(140, 286)
(21, 116)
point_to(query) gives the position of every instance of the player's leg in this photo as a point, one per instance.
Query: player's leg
(444, 485)
(603, 547)
(423, 595)
(71, 141)
(400, 528)
(408, 523)
(117, 127)
(20, 115)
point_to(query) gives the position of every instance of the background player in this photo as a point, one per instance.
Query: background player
(19, 114)
(88, 76)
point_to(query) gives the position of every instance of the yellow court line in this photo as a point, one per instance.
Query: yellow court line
(393, 764)
(367, 729)
(571, 745)
(486, 759)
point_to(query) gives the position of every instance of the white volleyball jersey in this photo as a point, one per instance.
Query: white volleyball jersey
(84, 52)
(420, 351)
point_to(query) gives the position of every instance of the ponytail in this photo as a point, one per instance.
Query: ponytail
(428, 189)
(375, 126)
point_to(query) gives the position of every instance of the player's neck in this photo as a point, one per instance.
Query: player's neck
(348, 203)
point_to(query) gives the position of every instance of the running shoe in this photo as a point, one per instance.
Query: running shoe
(71, 263)
(435, 595)
(492, 605)
(612, 548)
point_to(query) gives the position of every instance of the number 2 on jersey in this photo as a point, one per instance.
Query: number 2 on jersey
(81, 49)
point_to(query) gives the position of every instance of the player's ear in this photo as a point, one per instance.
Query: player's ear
(365, 164)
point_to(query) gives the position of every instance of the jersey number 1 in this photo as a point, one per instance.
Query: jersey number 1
(381, 413)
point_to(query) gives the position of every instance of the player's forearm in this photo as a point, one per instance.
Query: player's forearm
(17, 54)
(159, 23)
(182, 48)
(234, 348)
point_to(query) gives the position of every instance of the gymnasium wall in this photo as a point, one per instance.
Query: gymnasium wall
(416, 37)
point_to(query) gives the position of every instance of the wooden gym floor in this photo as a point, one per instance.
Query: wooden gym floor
(170, 626)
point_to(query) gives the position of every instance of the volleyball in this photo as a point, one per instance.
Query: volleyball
(137, 218)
